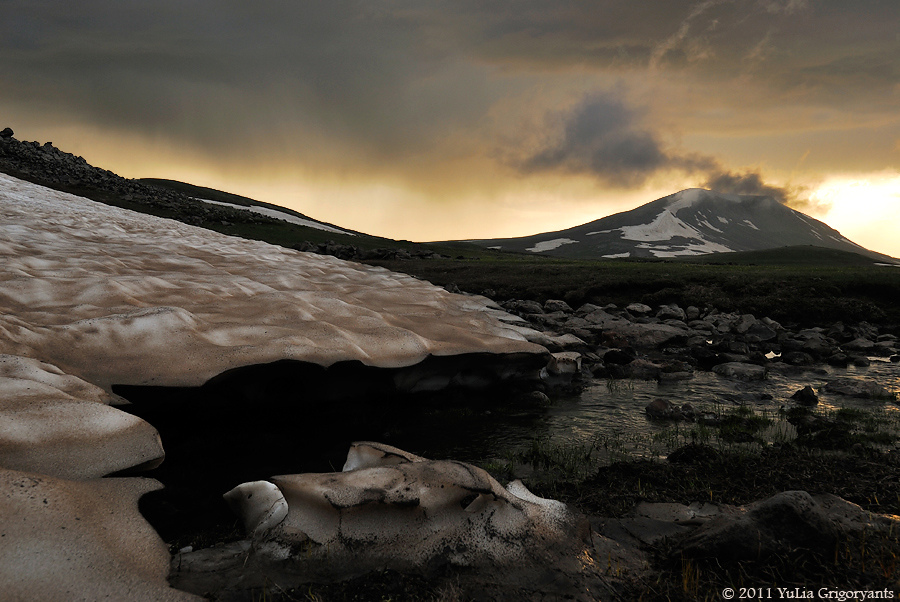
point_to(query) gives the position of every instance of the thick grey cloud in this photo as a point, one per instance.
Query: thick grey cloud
(749, 182)
(605, 137)
(362, 74)
(388, 82)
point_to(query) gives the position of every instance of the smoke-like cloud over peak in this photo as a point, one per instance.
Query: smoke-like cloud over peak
(605, 137)
(752, 183)
(749, 182)
(602, 136)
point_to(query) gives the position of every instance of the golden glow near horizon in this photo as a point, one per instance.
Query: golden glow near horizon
(863, 208)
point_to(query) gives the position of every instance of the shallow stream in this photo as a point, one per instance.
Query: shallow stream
(612, 412)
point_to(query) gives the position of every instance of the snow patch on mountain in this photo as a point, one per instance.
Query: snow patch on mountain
(664, 227)
(293, 219)
(710, 226)
(547, 245)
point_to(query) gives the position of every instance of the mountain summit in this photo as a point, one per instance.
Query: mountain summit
(690, 222)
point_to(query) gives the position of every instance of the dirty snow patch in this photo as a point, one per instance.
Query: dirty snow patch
(549, 245)
(293, 219)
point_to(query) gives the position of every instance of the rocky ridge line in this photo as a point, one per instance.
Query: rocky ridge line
(49, 166)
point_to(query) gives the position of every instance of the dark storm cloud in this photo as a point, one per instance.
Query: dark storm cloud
(604, 137)
(750, 182)
(217, 72)
(389, 81)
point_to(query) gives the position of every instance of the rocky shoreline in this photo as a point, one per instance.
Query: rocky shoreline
(670, 342)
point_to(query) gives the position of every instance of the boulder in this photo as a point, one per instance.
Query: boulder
(619, 356)
(586, 309)
(6, 133)
(759, 332)
(671, 312)
(663, 409)
(864, 389)
(737, 347)
(564, 363)
(797, 358)
(638, 309)
(523, 307)
(741, 371)
(786, 521)
(642, 369)
(745, 323)
(636, 335)
(840, 360)
(806, 396)
(883, 348)
(859, 344)
(555, 305)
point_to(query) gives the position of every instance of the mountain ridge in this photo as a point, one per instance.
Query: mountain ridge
(690, 222)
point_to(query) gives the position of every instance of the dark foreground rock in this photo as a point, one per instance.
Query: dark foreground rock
(806, 396)
(864, 389)
(787, 521)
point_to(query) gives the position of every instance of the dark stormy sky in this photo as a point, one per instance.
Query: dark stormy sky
(435, 119)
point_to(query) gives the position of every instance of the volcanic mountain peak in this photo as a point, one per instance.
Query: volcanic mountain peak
(690, 222)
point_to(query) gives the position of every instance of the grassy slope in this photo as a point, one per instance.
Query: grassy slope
(807, 286)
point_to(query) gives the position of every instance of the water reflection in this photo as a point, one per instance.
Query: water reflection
(616, 409)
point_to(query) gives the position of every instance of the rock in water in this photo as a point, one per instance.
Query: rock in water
(864, 389)
(741, 370)
(806, 396)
